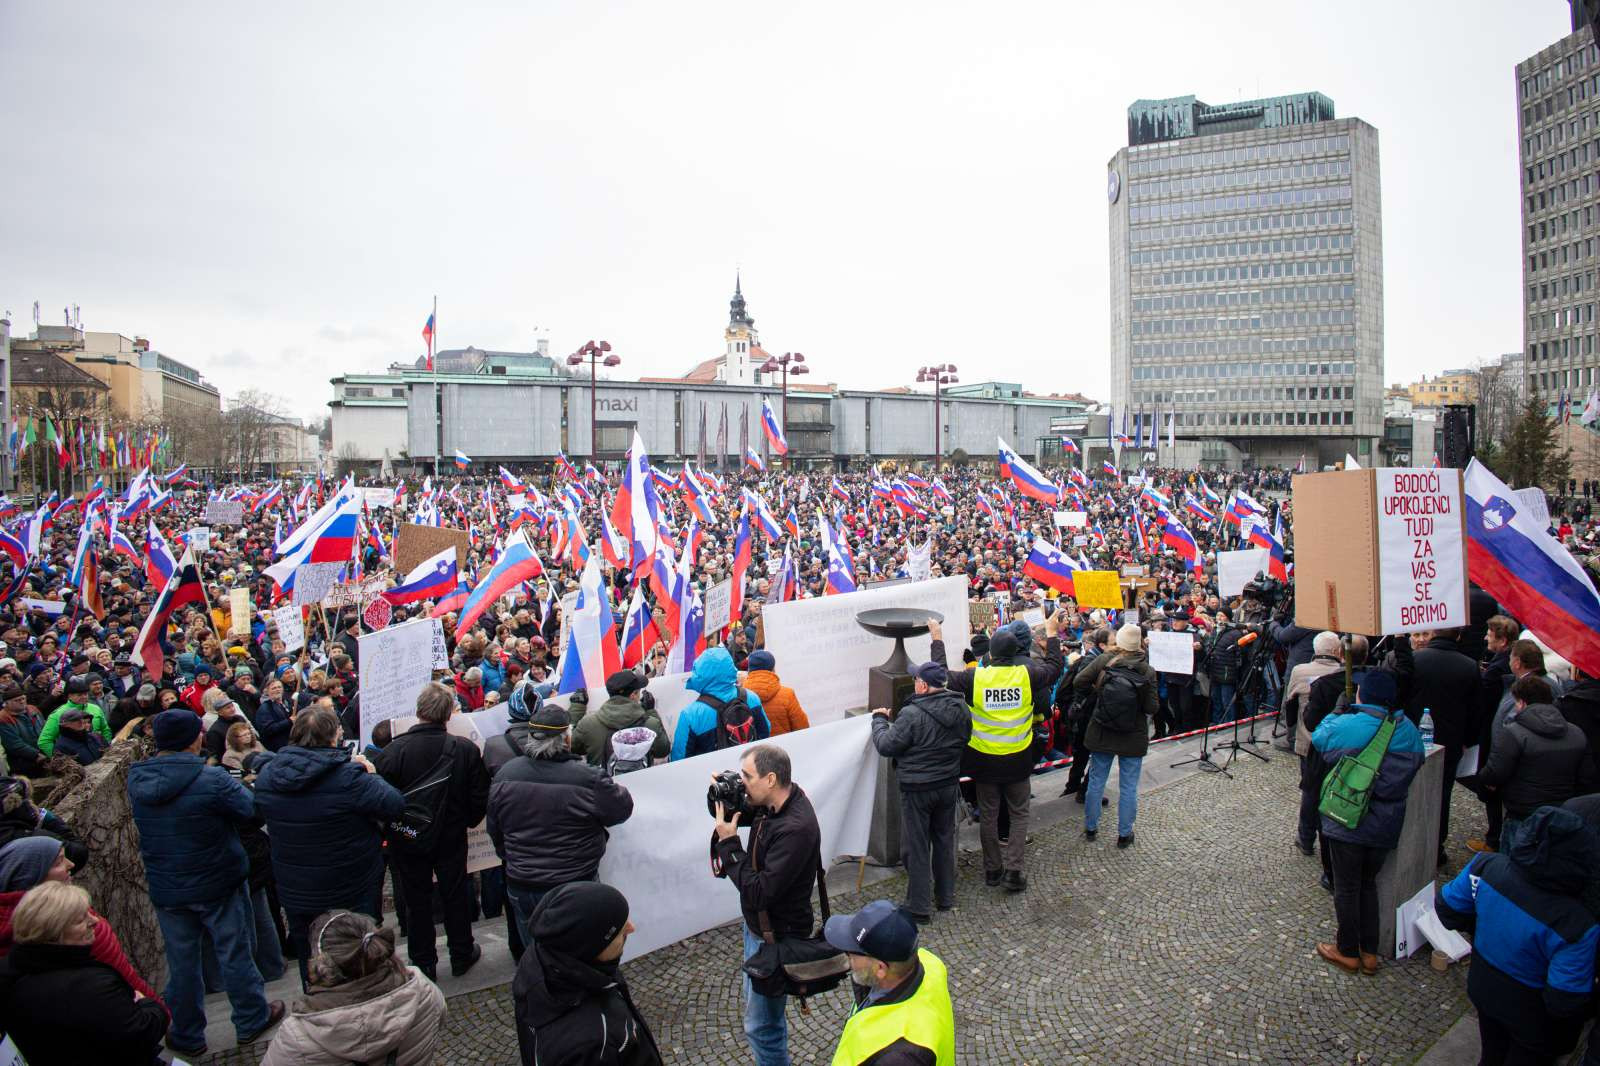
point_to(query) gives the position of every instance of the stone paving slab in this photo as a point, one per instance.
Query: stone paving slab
(1193, 946)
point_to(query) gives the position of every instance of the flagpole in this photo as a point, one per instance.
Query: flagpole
(438, 393)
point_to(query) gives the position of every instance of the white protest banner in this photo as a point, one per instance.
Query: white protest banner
(239, 608)
(51, 607)
(569, 603)
(1237, 569)
(657, 858)
(395, 664)
(313, 580)
(1080, 542)
(516, 500)
(1532, 502)
(480, 849)
(291, 629)
(1071, 519)
(1033, 618)
(1422, 562)
(198, 538)
(719, 604)
(378, 497)
(1172, 653)
(441, 654)
(225, 512)
(824, 655)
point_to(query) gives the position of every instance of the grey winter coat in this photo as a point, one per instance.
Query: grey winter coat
(1537, 760)
(926, 739)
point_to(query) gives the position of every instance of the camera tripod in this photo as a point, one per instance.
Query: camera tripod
(1249, 684)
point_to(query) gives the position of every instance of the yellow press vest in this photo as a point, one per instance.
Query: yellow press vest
(925, 1019)
(1002, 710)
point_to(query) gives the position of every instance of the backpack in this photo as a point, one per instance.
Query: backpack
(735, 724)
(1119, 701)
(417, 828)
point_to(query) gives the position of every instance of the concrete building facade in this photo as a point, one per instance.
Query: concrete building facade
(1558, 126)
(1247, 276)
(143, 383)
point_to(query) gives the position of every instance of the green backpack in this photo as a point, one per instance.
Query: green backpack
(1347, 790)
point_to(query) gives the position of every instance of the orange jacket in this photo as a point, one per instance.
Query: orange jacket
(778, 700)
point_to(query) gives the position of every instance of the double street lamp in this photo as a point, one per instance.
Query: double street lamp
(785, 364)
(598, 353)
(942, 375)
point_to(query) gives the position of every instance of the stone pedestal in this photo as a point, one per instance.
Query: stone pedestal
(1414, 862)
(883, 841)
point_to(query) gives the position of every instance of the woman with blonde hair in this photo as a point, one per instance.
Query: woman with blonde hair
(240, 743)
(52, 965)
(363, 1004)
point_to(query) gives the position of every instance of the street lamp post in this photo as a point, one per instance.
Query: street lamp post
(944, 374)
(598, 353)
(785, 364)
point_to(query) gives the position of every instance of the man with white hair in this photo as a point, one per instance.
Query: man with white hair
(1326, 658)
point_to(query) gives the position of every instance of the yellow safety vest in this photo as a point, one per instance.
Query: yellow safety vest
(1002, 710)
(925, 1019)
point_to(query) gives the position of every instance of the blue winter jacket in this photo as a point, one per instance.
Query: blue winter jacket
(186, 812)
(1339, 735)
(1533, 939)
(322, 813)
(713, 675)
(494, 675)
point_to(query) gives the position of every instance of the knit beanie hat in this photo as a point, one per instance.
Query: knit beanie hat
(24, 862)
(579, 919)
(176, 729)
(524, 701)
(1129, 638)
(761, 659)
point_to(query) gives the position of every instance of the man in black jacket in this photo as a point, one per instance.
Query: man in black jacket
(774, 879)
(1446, 685)
(1007, 698)
(926, 740)
(548, 814)
(444, 775)
(571, 1002)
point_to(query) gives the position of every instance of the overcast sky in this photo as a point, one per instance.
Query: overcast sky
(275, 194)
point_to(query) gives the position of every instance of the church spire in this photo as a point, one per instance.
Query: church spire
(737, 316)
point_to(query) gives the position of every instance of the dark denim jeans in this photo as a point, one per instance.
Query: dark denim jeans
(230, 922)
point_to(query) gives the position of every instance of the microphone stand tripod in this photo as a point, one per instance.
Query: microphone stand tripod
(1202, 761)
(1251, 680)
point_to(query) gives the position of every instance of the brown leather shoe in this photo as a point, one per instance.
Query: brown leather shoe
(1369, 964)
(1479, 846)
(1330, 952)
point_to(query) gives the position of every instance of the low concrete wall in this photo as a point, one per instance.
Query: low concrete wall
(98, 811)
(1414, 862)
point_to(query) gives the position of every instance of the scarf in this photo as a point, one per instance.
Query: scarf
(378, 983)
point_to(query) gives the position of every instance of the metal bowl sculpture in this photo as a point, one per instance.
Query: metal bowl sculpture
(897, 623)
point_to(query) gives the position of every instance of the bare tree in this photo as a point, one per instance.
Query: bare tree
(250, 425)
(1499, 403)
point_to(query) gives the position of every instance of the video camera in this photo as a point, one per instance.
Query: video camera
(1265, 590)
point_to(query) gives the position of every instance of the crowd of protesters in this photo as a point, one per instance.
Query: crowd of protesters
(267, 836)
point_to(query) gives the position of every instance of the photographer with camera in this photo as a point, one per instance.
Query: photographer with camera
(926, 739)
(774, 876)
(1224, 664)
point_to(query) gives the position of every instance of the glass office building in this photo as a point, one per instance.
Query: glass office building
(1247, 277)
(1558, 109)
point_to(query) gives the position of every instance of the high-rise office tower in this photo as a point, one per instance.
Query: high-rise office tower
(1247, 277)
(1558, 122)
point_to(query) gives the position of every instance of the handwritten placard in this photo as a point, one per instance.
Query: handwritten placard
(1420, 553)
(291, 629)
(395, 664)
(1098, 588)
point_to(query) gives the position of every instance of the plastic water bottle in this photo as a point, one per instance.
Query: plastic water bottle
(1426, 728)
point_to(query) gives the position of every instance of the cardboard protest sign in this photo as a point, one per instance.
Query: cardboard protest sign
(313, 580)
(239, 605)
(719, 605)
(1380, 550)
(225, 512)
(1098, 588)
(415, 545)
(291, 630)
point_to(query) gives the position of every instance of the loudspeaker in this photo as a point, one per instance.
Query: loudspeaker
(1458, 436)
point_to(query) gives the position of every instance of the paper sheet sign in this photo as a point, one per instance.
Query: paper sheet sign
(1421, 553)
(1098, 588)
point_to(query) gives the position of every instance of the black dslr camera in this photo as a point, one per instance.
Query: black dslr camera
(727, 788)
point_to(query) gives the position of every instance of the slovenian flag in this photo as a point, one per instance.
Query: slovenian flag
(1069, 446)
(1029, 481)
(639, 632)
(430, 580)
(1275, 561)
(1050, 567)
(427, 336)
(774, 431)
(462, 462)
(1513, 557)
(518, 562)
(839, 572)
(591, 653)
(1180, 540)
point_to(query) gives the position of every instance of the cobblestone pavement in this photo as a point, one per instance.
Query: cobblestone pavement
(1193, 946)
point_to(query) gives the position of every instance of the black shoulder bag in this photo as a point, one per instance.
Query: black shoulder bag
(417, 828)
(802, 966)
